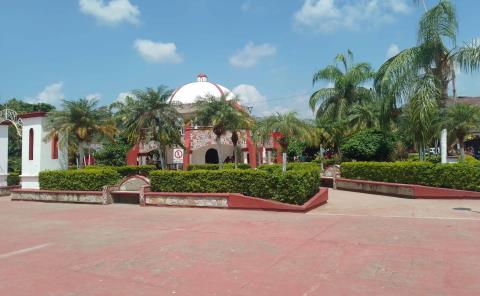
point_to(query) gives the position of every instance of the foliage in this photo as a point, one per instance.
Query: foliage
(332, 103)
(295, 148)
(150, 115)
(78, 180)
(461, 120)
(369, 145)
(295, 186)
(13, 179)
(112, 154)
(81, 122)
(226, 166)
(126, 170)
(465, 175)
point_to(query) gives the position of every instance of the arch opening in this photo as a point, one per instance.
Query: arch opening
(211, 156)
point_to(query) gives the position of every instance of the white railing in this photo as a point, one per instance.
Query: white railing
(12, 117)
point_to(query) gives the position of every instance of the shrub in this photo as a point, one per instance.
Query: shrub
(112, 154)
(79, 180)
(464, 176)
(429, 158)
(226, 166)
(126, 170)
(368, 145)
(13, 179)
(295, 186)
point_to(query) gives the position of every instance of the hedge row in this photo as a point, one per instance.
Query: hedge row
(13, 179)
(464, 176)
(226, 166)
(78, 180)
(126, 170)
(294, 166)
(294, 187)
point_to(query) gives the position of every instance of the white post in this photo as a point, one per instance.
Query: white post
(443, 145)
(264, 155)
(245, 157)
(284, 162)
(3, 154)
(269, 157)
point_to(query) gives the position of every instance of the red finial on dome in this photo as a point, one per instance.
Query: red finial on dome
(202, 77)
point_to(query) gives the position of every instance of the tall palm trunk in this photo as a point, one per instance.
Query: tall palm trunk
(219, 147)
(81, 154)
(461, 140)
(160, 156)
(235, 147)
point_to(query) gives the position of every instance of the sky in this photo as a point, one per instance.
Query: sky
(264, 50)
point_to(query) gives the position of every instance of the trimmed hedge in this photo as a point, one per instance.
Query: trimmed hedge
(126, 170)
(294, 166)
(294, 187)
(13, 179)
(463, 176)
(226, 166)
(78, 180)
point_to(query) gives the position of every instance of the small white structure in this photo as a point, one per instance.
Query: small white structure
(3, 154)
(38, 153)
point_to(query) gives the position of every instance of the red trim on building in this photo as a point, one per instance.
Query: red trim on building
(218, 87)
(187, 143)
(32, 115)
(132, 155)
(252, 151)
(30, 144)
(55, 147)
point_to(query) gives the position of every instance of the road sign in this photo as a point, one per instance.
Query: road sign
(177, 155)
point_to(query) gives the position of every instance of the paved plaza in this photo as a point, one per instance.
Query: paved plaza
(357, 244)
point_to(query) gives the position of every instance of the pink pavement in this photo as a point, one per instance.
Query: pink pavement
(357, 244)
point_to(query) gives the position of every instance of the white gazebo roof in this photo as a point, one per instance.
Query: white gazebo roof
(191, 92)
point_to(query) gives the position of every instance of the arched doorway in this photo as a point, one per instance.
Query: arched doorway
(211, 156)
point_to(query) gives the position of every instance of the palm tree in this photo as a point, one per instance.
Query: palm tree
(463, 119)
(364, 115)
(432, 57)
(81, 122)
(288, 125)
(332, 103)
(149, 115)
(223, 114)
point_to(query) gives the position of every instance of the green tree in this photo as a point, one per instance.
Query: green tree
(113, 153)
(433, 59)
(150, 115)
(333, 103)
(288, 125)
(463, 119)
(369, 145)
(223, 114)
(82, 122)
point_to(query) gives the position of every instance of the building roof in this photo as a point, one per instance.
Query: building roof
(191, 92)
(464, 100)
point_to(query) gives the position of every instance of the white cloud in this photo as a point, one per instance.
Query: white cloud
(157, 52)
(95, 96)
(121, 96)
(331, 15)
(392, 51)
(250, 96)
(111, 13)
(51, 94)
(246, 6)
(251, 54)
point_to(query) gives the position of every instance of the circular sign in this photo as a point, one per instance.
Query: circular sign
(178, 153)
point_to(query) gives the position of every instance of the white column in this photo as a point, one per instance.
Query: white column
(443, 145)
(269, 157)
(3, 154)
(245, 157)
(264, 155)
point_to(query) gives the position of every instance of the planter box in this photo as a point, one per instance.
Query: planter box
(87, 197)
(403, 190)
(227, 201)
(6, 190)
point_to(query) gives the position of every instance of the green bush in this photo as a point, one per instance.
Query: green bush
(78, 180)
(368, 145)
(112, 154)
(295, 186)
(226, 166)
(429, 158)
(13, 179)
(464, 176)
(126, 170)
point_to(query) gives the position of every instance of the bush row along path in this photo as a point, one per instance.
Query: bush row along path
(358, 244)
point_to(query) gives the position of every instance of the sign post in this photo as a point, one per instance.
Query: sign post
(177, 156)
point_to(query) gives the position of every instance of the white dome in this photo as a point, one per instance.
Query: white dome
(190, 93)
